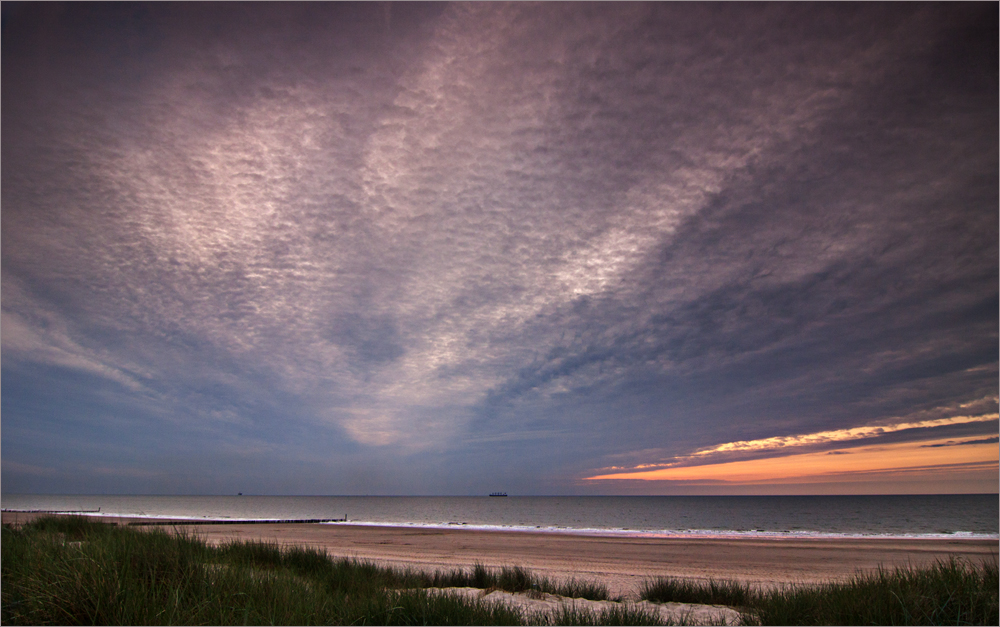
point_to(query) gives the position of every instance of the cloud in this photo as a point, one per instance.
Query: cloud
(461, 229)
(50, 343)
(992, 440)
(863, 461)
(839, 435)
(914, 428)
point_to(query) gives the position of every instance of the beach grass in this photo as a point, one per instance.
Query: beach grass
(66, 570)
(311, 562)
(512, 579)
(711, 592)
(74, 571)
(623, 614)
(947, 593)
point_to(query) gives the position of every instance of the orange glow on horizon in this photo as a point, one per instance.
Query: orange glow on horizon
(830, 465)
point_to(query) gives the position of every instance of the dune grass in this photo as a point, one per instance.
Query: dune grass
(306, 562)
(623, 614)
(74, 571)
(711, 592)
(512, 579)
(947, 593)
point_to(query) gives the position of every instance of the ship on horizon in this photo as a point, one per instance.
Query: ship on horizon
(498, 494)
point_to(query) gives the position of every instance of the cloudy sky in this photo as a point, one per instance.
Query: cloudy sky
(547, 249)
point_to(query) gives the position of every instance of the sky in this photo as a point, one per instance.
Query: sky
(453, 249)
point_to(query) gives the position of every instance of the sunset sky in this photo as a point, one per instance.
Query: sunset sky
(540, 248)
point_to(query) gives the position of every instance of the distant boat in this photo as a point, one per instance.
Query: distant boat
(498, 494)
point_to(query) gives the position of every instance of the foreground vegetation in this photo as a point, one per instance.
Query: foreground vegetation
(950, 593)
(75, 571)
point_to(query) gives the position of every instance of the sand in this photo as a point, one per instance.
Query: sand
(621, 563)
(670, 613)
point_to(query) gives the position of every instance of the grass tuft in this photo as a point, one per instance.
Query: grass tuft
(947, 593)
(624, 614)
(711, 592)
(512, 579)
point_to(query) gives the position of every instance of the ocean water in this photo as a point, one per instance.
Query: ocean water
(972, 516)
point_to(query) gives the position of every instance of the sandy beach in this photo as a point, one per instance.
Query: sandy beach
(622, 563)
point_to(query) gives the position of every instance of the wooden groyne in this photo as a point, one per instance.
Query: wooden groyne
(19, 517)
(52, 511)
(271, 521)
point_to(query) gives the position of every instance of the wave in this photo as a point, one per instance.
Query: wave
(682, 533)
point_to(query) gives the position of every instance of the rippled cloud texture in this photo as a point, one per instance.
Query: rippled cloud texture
(448, 249)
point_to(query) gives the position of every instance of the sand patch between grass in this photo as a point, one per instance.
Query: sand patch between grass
(533, 602)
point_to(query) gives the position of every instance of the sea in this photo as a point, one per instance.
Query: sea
(889, 516)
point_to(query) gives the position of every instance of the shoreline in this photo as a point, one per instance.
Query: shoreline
(678, 533)
(11, 515)
(620, 562)
(623, 564)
